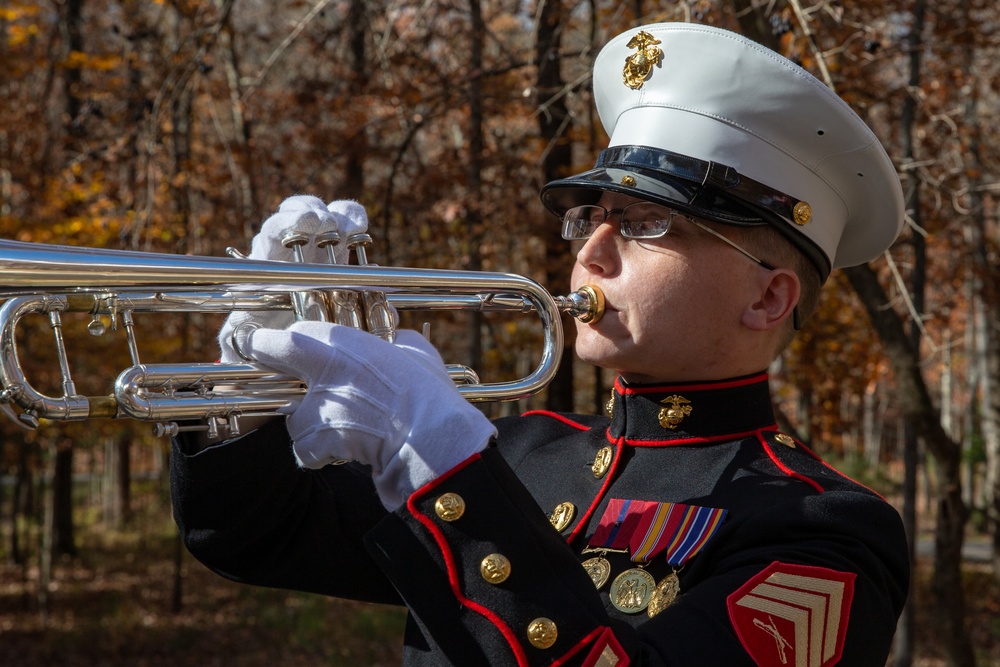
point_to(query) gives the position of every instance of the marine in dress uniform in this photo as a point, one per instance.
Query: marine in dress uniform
(681, 528)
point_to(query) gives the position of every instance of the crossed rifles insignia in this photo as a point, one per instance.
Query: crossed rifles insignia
(639, 65)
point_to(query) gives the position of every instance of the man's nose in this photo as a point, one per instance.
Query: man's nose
(600, 252)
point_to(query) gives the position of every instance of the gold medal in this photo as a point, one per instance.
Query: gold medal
(599, 570)
(664, 594)
(631, 591)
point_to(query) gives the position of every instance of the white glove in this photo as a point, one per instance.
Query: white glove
(391, 406)
(303, 214)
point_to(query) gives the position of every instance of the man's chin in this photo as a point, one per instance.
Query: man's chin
(601, 353)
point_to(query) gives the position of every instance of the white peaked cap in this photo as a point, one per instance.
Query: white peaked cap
(714, 124)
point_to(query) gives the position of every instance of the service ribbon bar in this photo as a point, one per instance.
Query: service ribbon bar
(649, 528)
(687, 528)
(619, 522)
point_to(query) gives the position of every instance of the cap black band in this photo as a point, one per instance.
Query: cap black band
(706, 189)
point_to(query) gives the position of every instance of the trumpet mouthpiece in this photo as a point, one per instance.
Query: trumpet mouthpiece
(585, 304)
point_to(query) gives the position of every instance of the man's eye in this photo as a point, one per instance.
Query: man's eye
(651, 227)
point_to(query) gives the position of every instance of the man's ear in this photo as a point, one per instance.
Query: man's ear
(779, 291)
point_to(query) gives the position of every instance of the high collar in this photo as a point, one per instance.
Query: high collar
(689, 413)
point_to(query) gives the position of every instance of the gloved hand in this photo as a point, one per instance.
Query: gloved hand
(306, 215)
(391, 406)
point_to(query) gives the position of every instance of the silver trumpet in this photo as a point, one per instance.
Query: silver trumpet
(51, 280)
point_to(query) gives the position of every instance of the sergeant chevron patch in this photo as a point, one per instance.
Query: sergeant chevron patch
(793, 615)
(607, 652)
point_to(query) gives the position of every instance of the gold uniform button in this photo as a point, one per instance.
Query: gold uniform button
(786, 440)
(542, 632)
(450, 507)
(495, 568)
(602, 462)
(802, 213)
(562, 515)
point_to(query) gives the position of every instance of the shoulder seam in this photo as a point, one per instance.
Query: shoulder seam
(762, 439)
(558, 417)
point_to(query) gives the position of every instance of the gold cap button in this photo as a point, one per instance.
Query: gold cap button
(602, 462)
(495, 568)
(802, 213)
(562, 515)
(450, 507)
(542, 632)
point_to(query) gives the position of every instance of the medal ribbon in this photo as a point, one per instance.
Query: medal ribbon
(649, 528)
(618, 523)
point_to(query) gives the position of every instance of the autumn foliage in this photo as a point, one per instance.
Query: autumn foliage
(176, 126)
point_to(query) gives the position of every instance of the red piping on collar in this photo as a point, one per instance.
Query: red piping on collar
(695, 386)
(725, 437)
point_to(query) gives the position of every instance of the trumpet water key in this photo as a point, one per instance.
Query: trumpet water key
(51, 280)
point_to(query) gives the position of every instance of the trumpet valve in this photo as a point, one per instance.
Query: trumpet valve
(358, 243)
(329, 241)
(294, 242)
(307, 306)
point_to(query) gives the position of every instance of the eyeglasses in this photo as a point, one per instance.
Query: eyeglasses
(641, 220)
(644, 220)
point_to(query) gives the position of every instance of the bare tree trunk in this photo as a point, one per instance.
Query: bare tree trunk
(45, 550)
(986, 316)
(952, 513)
(357, 147)
(989, 362)
(755, 23)
(474, 176)
(63, 534)
(59, 525)
(243, 173)
(600, 395)
(123, 476)
(905, 634)
(130, 196)
(181, 159)
(20, 505)
(554, 124)
(177, 591)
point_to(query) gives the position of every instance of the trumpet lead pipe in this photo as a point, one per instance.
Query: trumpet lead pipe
(588, 301)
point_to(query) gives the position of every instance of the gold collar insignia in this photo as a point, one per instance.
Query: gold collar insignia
(675, 413)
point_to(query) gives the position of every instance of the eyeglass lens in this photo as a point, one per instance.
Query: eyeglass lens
(638, 221)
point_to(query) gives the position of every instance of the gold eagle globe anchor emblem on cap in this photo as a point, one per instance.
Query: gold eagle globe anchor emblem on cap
(674, 414)
(639, 65)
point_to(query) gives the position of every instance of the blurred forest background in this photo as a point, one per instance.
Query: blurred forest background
(178, 125)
